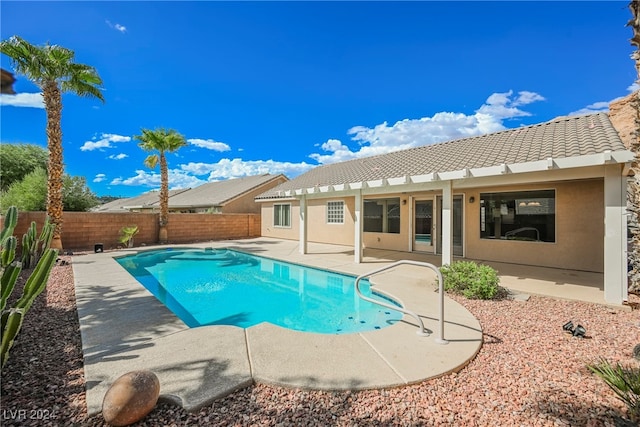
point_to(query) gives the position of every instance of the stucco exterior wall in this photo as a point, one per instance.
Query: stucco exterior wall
(392, 241)
(267, 228)
(579, 229)
(579, 226)
(318, 230)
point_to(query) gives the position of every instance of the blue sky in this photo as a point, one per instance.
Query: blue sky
(281, 87)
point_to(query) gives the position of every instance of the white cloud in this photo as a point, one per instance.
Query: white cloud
(117, 27)
(442, 126)
(118, 156)
(100, 177)
(177, 179)
(237, 168)
(596, 107)
(634, 87)
(104, 142)
(526, 97)
(31, 100)
(209, 144)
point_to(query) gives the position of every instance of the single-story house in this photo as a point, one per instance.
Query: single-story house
(135, 204)
(229, 196)
(551, 195)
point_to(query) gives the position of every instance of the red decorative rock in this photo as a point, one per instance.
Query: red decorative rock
(130, 398)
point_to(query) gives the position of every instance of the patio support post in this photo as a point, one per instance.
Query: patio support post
(303, 225)
(357, 225)
(447, 223)
(615, 235)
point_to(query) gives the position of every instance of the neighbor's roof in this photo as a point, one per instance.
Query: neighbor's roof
(538, 147)
(146, 200)
(220, 193)
(6, 82)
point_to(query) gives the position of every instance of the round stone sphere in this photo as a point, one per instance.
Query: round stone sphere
(130, 398)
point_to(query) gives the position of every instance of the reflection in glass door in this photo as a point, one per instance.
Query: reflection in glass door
(423, 225)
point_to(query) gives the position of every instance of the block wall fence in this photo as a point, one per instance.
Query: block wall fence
(82, 230)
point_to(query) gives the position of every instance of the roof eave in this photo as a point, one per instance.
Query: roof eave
(607, 157)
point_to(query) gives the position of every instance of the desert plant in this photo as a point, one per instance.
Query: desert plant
(33, 246)
(163, 141)
(474, 281)
(126, 235)
(624, 381)
(53, 69)
(10, 268)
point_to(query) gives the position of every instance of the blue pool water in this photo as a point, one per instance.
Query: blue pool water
(226, 287)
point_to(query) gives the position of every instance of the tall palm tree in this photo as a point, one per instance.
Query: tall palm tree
(162, 141)
(53, 70)
(634, 190)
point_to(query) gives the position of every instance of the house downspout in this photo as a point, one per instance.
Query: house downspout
(447, 223)
(357, 225)
(615, 235)
(303, 225)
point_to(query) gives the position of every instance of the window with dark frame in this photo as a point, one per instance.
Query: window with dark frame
(282, 215)
(519, 215)
(382, 215)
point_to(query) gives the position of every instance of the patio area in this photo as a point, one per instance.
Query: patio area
(125, 328)
(520, 279)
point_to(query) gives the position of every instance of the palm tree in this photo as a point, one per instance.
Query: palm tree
(162, 141)
(52, 69)
(634, 190)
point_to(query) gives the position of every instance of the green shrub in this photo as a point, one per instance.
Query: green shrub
(474, 281)
(624, 381)
(127, 234)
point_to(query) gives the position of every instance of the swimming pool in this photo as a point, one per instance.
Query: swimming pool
(227, 287)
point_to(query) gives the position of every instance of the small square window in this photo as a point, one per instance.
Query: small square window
(335, 212)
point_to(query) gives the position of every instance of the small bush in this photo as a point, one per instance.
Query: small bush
(474, 281)
(625, 383)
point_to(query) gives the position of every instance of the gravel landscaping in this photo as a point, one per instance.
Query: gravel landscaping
(528, 372)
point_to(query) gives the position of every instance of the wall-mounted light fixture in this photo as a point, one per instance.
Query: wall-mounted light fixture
(404, 202)
(472, 199)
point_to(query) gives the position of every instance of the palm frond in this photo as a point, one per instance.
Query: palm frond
(52, 63)
(151, 161)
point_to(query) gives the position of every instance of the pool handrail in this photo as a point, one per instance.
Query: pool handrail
(421, 329)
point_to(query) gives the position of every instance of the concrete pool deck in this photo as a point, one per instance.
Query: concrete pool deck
(125, 328)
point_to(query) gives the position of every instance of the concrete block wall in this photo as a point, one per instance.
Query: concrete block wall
(185, 228)
(82, 230)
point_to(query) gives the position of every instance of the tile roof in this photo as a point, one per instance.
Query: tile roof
(220, 192)
(563, 137)
(146, 200)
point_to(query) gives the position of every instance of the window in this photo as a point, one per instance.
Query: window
(382, 215)
(519, 215)
(282, 215)
(335, 212)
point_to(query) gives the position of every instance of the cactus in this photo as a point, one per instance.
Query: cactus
(11, 324)
(10, 221)
(33, 246)
(8, 251)
(11, 318)
(9, 278)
